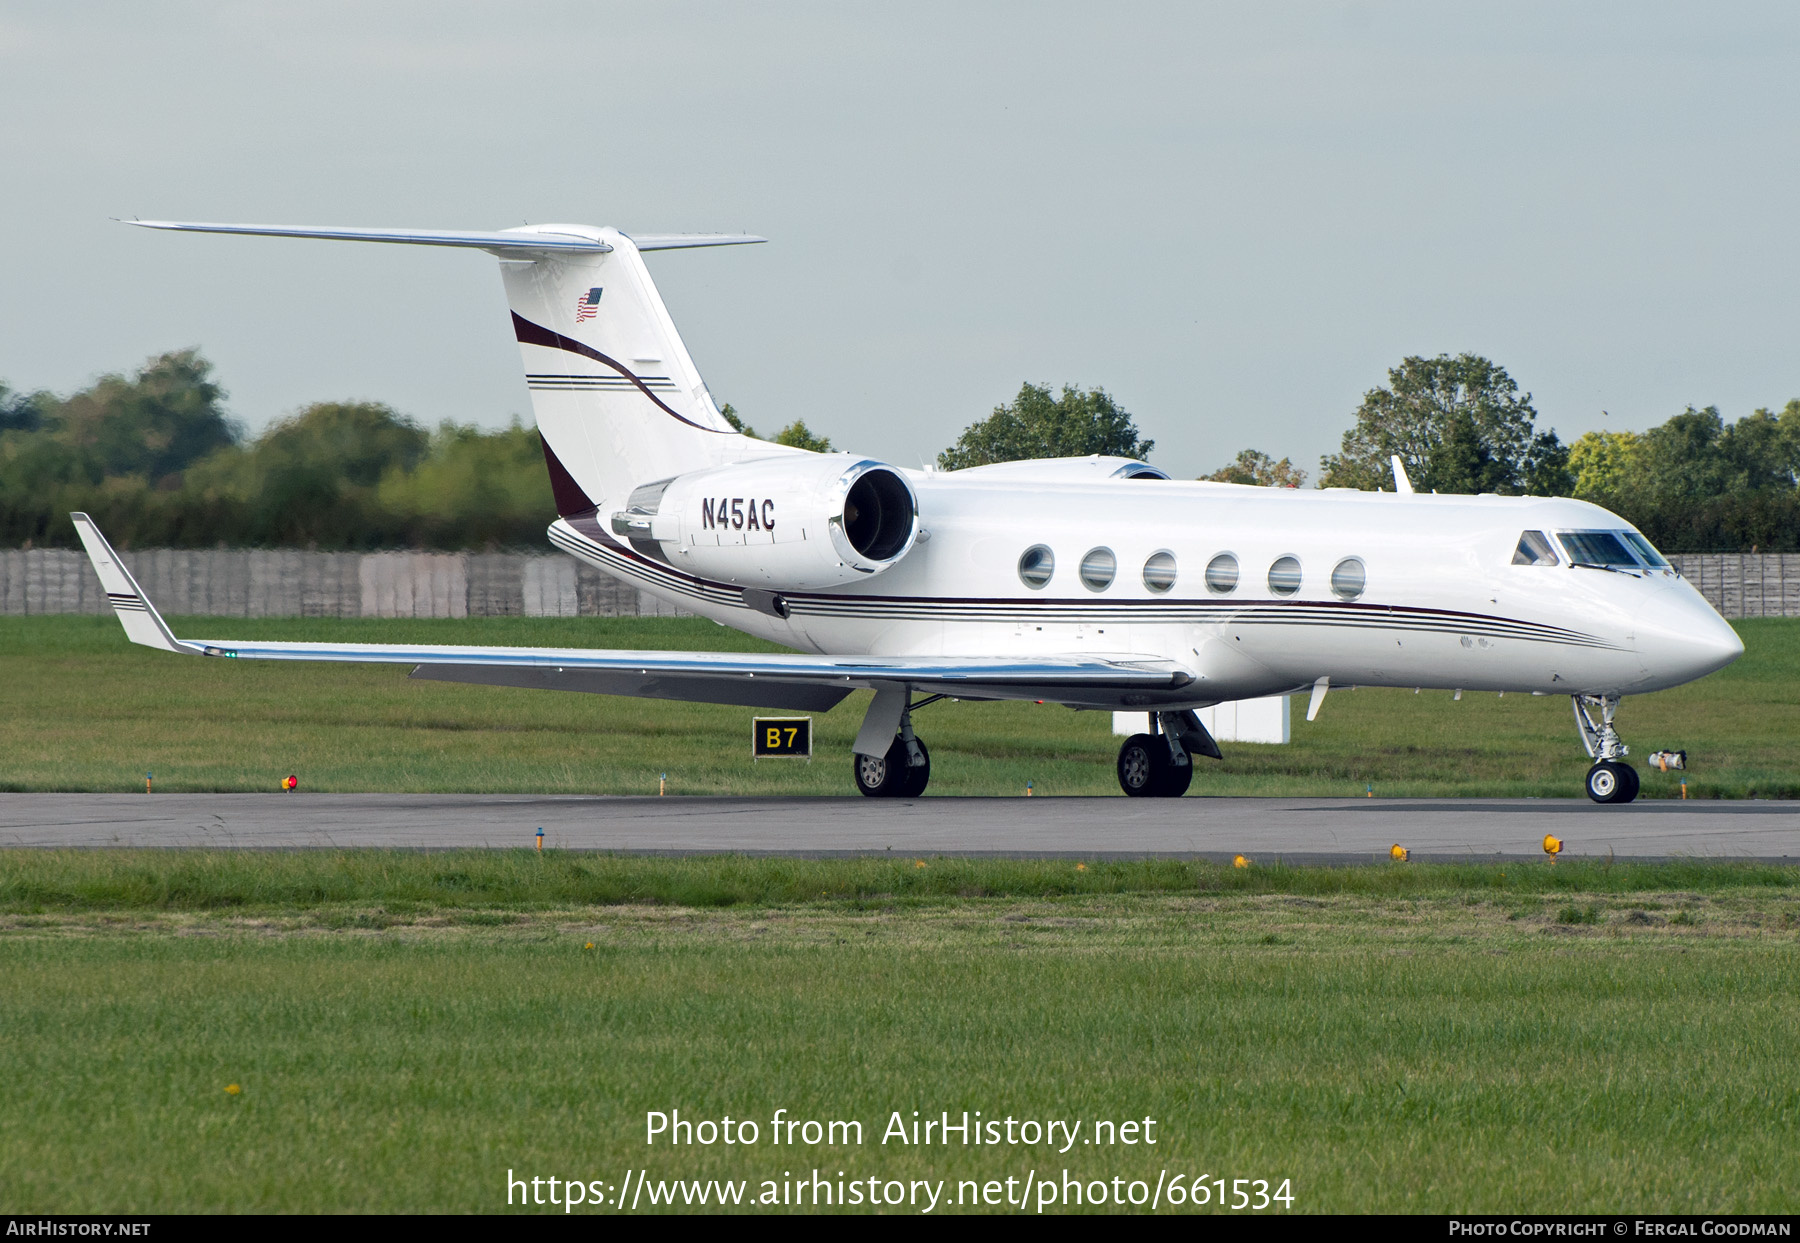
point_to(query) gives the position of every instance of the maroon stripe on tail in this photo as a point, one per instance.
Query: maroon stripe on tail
(529, 333)
(570, 499)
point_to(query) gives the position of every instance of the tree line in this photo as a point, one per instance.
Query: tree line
(160, 463)
(1460, 424)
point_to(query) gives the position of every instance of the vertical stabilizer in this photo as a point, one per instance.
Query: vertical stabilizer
(618, 400)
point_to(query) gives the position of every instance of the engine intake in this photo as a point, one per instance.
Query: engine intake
(880, 514)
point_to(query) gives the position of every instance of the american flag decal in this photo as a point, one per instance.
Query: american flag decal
(587, 306)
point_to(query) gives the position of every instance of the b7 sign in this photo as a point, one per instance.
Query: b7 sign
(781, 737)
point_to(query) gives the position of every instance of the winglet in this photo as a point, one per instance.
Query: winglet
(1402, 484)
(143, 624)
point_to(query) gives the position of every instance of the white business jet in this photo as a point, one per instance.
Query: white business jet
(1097, 583)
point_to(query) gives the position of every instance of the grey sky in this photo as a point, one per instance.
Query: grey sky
(1234, 218)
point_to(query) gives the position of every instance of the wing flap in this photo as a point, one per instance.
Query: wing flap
(742, 691)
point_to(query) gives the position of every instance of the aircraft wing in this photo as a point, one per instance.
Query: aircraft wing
(784, 680)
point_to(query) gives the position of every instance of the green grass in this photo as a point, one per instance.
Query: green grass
(36, 881)
(406, 1028)
(81, 709)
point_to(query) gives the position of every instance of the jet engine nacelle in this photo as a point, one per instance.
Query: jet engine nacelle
(798, 523)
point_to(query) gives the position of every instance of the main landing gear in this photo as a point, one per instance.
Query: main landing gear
(1609, 780)
(905, 769)
(1161, 765)
(898, 774)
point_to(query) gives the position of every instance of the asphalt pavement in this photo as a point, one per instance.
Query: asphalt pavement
(1298, 829)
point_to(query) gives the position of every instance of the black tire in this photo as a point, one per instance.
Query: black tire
(1143, 766)
(880, 776)
(1176, 779)
(914, 778)
(1612, 782)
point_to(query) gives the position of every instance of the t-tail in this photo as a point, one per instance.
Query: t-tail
(618, 401)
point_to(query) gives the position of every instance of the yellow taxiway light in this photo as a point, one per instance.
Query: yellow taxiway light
(1238, 861)
(1552, 845)
(1399, 853)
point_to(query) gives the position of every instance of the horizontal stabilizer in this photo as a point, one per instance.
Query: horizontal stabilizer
(530, 241)
(513, 241)
(683, 241)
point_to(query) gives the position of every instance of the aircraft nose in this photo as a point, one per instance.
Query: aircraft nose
(1680, 637)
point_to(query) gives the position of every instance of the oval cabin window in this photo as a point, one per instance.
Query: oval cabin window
(1036, 566)
(1284, 576)
(1097, 569)
(1349, 578)
(1159, 571)
(1222, 574)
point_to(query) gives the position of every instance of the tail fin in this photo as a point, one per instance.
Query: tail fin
(618, 401)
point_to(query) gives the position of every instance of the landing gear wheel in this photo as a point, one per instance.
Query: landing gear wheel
(890, 776)
(879, 776)
(1612, 782)
(1142, 762)
(1146, 769)
(1176, 779)
(915, 777)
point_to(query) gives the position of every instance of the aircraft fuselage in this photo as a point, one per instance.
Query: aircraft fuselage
(1441, 601)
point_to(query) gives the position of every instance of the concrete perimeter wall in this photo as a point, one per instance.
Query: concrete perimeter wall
(281, 583)
(1744, 584)
(284, 583)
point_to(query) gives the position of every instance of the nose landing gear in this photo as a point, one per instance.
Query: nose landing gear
(1612, 782)
(1609, 780)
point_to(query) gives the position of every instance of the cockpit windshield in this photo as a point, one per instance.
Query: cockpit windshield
(1645, 550)
(1601, 548)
